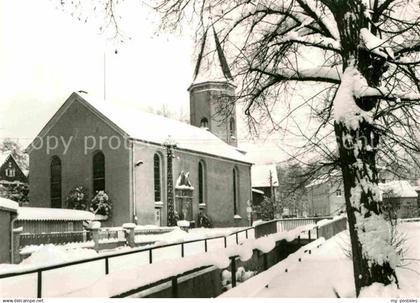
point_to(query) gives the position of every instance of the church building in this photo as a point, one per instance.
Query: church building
(146, 162)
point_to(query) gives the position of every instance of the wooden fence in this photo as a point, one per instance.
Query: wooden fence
(53, 238)
(280, 225)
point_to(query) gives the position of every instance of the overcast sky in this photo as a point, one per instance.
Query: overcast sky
(46, 54)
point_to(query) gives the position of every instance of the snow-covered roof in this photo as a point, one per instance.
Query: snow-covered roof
(211, 62)
(3, 157)
(158, 129)
(398, 189)
(260, 175)
(53, 214)
(8, 204)
(257, 191)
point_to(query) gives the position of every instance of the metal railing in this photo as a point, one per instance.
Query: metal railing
(235, 237)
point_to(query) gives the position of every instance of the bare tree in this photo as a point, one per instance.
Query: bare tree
(367, 98)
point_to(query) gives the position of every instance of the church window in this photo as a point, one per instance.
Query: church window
(55, 182)
(201, 182)
(235, 190)
(157, 177)
(232, 127)
(98, 165)
(204, 122)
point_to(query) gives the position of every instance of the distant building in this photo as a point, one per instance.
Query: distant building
(10, 171)
(400, 199)
(264, 182)
(326, 195)
(142, 160)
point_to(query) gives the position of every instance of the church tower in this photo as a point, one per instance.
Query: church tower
(212, 93)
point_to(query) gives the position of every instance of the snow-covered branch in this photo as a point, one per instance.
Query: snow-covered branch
(314, 40)
(321, 74)
(325, 22)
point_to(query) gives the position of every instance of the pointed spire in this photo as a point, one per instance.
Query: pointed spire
(211, 61)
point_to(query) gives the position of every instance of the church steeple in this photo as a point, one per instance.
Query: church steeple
(212, 92)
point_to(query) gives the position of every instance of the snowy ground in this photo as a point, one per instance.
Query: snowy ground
(327, 268)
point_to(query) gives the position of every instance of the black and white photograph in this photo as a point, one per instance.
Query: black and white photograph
(258, 149)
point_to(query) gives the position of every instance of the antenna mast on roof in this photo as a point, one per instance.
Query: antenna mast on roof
(105, 73)
(115, 52)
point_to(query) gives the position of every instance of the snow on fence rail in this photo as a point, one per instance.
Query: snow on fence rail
(279, 225)
(42, 281)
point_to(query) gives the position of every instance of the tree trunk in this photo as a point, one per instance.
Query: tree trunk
(357, 149)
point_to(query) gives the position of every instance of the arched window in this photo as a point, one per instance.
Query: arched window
(157, 177)
(98, 165)
(232, 127)
(201, 183)
(235, 180)
(55, 182)
(204, 122)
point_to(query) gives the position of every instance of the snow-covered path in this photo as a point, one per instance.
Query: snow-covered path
(328, 268)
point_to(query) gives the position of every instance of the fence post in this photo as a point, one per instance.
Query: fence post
(309, 235)
(15, 256)
(150, 256)
(39, 284)
(233, 271)
(94, 231)
(130, 234)
(225, 242)
(205, 245)
(237, 238)
(246, 233)
(265, 261)
(106, 266)
(182, 250)
(174, 287)
(317, 232)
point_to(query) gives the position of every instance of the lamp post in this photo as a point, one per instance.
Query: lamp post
(170, 144)
(137, 164)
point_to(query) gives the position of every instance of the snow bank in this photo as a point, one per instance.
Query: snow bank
(50, 254)
(129, 225)
(43, 213)
(8, 204)
(29, 249)
(251, 287)
(323, 268)
(324, 222)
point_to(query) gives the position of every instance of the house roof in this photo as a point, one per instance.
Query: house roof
(8, 204)
(398, 189)
(260, 175)
(4, 156)
(151, 128)
(211, 62)
(53, 214)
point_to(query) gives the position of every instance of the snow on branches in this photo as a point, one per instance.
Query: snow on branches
(353, 85)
